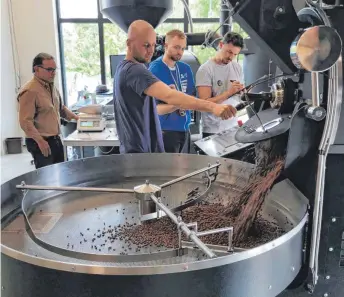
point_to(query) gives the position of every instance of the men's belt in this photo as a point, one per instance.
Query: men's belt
(51, 137)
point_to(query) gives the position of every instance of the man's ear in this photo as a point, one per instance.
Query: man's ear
(220, 44)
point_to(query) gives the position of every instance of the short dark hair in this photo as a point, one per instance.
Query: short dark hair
(38, 60)
(235, 38)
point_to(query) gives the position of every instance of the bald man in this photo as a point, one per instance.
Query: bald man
(137, 121)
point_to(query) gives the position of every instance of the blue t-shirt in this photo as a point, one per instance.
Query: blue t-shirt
(137, 121)
(182, 77)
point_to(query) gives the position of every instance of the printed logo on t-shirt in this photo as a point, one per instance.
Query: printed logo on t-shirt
(184, 86)
(184, 76)
(184, 82)
(219, 83)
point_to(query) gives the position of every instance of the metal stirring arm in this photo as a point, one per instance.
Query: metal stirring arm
(206, 169)
(182, 226)
(23, 186)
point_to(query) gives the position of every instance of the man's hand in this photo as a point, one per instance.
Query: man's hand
(44, 147)
(224, 111)
(235, 87)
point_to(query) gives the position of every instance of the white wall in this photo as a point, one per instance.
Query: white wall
(36, 31)
(9, 122)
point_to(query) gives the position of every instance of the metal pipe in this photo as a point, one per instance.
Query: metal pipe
(330, 131)
(215, 231)
(224, 15)
(315, 89)
(188, 13)
(220, 230)
(83, 189)
(184, 228)
(174, 181)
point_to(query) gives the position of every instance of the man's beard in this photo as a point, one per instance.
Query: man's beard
(226, 61)
(140, 59)
(175, 58)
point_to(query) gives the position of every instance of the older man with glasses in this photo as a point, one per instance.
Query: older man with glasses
(40, 110)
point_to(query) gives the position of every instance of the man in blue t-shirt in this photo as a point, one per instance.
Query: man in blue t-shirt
(169, 69)
(136, 117)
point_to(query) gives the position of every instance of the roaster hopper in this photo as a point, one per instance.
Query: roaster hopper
(69, 220)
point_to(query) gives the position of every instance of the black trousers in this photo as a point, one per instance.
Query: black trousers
(177, 142)
(56, 147)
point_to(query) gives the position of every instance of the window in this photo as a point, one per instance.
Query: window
(165, 27)
(78, 9)
(178, 10)
(87, 40)
(81, 59)
(114, 44)
(204, 55)
(205, 8)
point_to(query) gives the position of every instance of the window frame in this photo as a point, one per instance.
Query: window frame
(100, 21)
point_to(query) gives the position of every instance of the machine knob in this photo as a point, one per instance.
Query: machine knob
(316, 113)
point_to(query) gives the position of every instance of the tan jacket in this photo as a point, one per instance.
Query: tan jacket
(40, 108)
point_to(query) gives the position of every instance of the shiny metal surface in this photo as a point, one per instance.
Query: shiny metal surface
(329, 134)
(316, 49)
(269, 125)
(127, 170)
(315, 89)
(143, 194)
(221, 144)
(183, 227)
(23, 186)
(179, 179)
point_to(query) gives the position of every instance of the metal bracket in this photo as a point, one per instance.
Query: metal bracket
(194, 227)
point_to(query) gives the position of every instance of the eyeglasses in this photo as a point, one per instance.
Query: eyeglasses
(49, 69)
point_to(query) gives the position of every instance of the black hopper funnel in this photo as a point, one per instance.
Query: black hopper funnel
(124, 12)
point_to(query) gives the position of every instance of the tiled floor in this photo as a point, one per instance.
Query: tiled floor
(14, 165)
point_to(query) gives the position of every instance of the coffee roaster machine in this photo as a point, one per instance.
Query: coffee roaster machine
(53, 218)
(305, 105)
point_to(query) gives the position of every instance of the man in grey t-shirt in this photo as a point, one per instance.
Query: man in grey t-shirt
(135, 86)
(218, 79)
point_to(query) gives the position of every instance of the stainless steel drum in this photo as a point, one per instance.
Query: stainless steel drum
(69, 220)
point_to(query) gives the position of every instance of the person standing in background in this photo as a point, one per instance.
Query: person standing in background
(40, 109)
(135, 88)
(220, 78)
(178, 75)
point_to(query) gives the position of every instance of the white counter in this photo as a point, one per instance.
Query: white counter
(108, 137)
